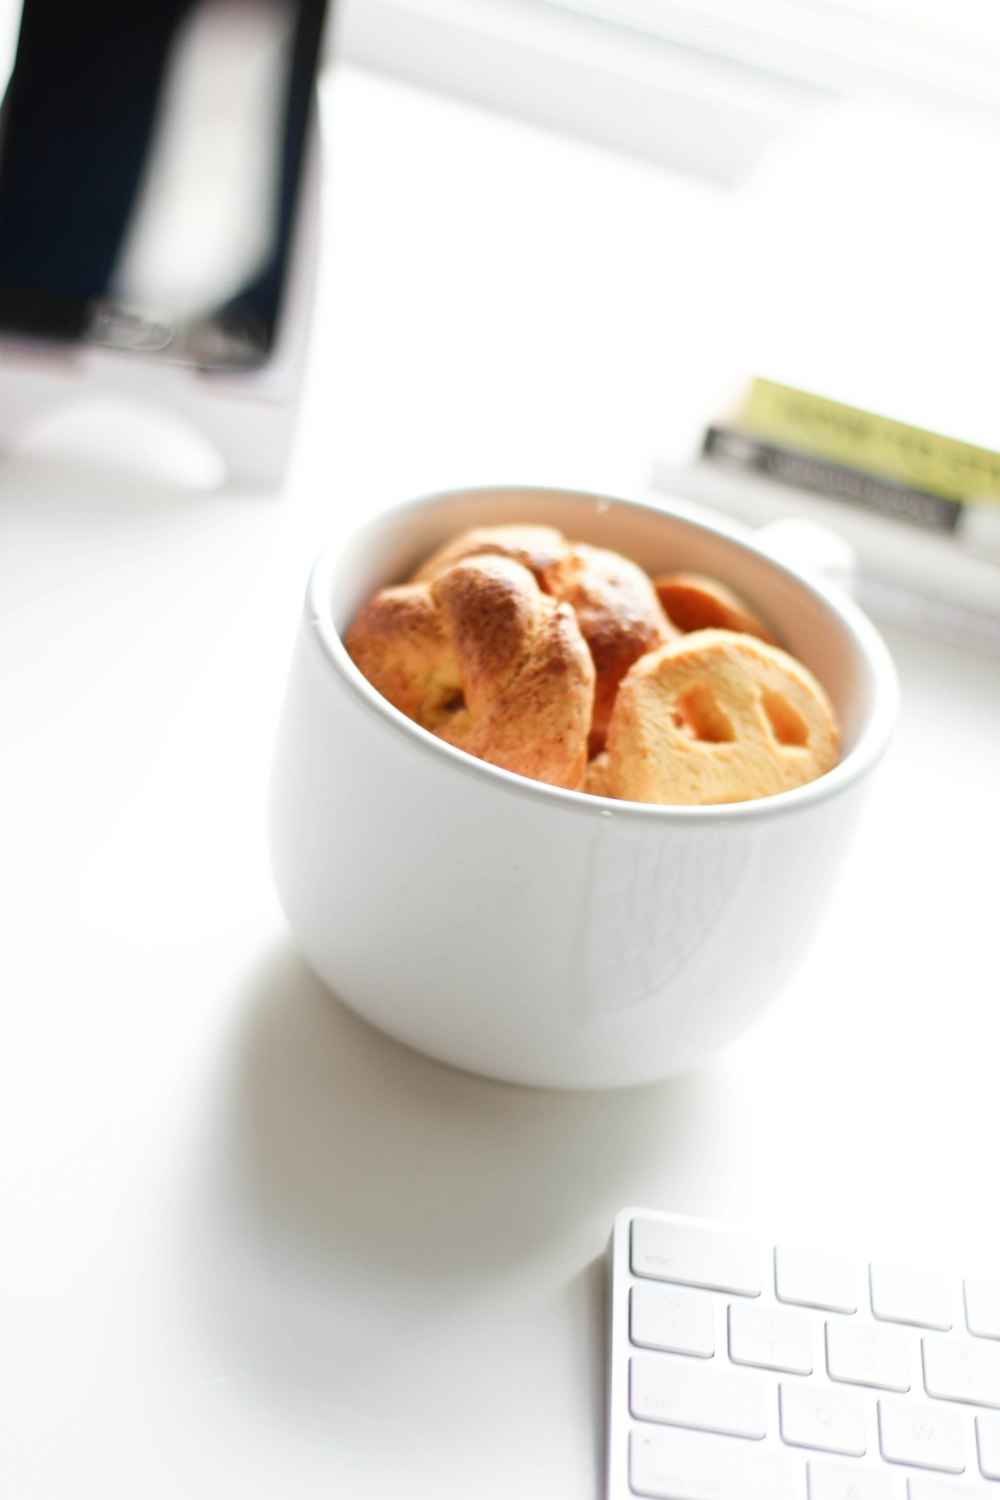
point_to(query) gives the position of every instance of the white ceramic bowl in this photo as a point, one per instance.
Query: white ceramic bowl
(529, 933)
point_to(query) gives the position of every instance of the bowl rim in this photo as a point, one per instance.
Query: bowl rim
(870, 745)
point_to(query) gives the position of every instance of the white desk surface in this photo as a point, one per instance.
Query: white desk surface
(249, 1246)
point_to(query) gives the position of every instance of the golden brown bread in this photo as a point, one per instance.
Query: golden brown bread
(597, 781)
(693, 601)
(619, 615)
(531, 651)
(614, 601)
(537, 548)
(483, 659)
(715, 717)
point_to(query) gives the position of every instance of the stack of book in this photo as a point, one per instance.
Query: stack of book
(920, 511)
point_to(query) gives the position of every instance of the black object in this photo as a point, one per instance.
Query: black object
(734, 448)
(78, 127)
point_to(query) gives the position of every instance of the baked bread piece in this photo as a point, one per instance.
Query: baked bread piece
(537, 548)
(619, 615)
(597, 780)
(483, 659)
(614, 601)
(693, 601)
(715, 717)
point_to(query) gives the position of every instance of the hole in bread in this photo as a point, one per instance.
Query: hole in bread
(787, 724)
(441, 708)
(698, 714)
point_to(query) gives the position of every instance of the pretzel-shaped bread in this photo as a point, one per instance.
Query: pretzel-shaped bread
(614, 600)
(693, 601)
(714, 717)
(537, 548)
(481, 657)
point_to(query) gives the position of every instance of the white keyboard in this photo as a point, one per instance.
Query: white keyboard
(741, 1370)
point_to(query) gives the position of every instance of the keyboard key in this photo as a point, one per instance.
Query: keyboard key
(867, 1354)
(982, 1307)
(687, 1393)
(815, 1278)
(988, 1444)
(904, 1294)
(929, 1437)
(676, 1465)
(709, 1258)
(815, 1416)
(961, 1371)
(668, 1317)
(832, 1481)
(774, 1338)
(924, 1487)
